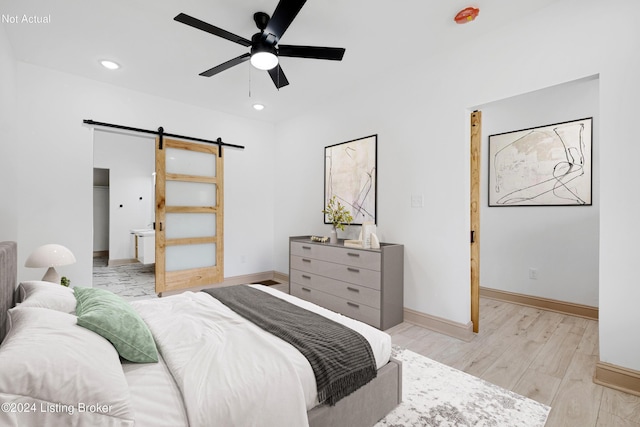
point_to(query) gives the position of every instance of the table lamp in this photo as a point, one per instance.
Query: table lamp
(50, 256)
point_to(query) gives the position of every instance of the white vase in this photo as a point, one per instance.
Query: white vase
(333, 237)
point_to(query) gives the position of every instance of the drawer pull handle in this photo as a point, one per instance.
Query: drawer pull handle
(354, 270)
(307, 247)
(355, 254)
(304, 276)
(352, 304)
(306, 260)
(353, 289)
(306, 290)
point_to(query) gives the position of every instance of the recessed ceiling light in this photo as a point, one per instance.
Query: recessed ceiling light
(258, 107)
(109, 64)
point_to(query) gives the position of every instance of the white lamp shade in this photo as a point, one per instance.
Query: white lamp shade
(50, 255)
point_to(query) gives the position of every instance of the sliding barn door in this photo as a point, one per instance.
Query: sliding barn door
(189, 215)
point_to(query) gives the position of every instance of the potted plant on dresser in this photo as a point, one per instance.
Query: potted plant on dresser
(338, 215)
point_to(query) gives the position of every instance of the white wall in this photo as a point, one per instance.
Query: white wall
(54, 167)
(560, 242)
(7, 149)
(131, 162)
(422, 120)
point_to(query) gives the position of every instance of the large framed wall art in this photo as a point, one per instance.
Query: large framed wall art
(350, 174)
(542, 166)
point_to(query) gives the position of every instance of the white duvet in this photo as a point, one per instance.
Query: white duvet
(231, 372)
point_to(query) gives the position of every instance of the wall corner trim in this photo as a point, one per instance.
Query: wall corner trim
(617, 377)
(438, 324)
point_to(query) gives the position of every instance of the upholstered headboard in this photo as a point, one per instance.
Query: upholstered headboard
(8, 279)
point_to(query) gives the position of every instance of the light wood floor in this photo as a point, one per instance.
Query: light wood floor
(546, 356)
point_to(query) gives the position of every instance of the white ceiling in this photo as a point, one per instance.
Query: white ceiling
(162, 57)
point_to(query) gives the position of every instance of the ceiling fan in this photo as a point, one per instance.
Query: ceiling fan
(265, 49)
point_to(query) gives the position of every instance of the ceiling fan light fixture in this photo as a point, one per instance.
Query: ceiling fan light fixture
(264, 57)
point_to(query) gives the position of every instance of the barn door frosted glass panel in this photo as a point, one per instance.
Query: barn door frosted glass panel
(188, 257)
(186, 162)
(186, 225)
(184, 193)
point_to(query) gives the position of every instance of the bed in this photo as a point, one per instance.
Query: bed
(213, 366)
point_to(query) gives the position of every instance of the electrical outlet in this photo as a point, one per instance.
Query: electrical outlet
(417, 201)
(533, 273)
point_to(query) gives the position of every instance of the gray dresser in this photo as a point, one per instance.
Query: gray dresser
(365, 284)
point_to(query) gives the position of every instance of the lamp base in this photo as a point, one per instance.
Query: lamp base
(51, 276)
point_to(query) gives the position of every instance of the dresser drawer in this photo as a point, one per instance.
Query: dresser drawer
(355, 293)
(347, 256)
(360, 312)
(344, 273)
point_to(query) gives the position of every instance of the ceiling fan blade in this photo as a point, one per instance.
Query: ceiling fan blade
(278, 77)
(226, 65)
(330, 53)
(201, 25)
(283, 16)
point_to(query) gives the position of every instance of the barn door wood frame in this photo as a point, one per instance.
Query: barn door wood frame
(189, 215)
(476, 145)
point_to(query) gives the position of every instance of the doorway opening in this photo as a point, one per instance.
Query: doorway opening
(100, 213)
(544, 256)
(124, 212)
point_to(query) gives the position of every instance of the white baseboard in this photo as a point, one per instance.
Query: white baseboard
(438, 324)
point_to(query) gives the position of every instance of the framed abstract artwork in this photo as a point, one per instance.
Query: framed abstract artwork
(350, 174)
(542, 166)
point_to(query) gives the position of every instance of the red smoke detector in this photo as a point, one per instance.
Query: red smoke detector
(467, 14)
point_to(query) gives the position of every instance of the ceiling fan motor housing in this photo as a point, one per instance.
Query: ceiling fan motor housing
(262, 44)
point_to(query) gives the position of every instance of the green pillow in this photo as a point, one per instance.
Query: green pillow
(108, 315)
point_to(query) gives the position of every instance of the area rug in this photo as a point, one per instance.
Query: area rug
(438, 395)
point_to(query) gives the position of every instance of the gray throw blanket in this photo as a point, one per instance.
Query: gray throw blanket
(342, 359)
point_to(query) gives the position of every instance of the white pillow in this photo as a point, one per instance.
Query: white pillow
(36, 293)
(54, 370)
